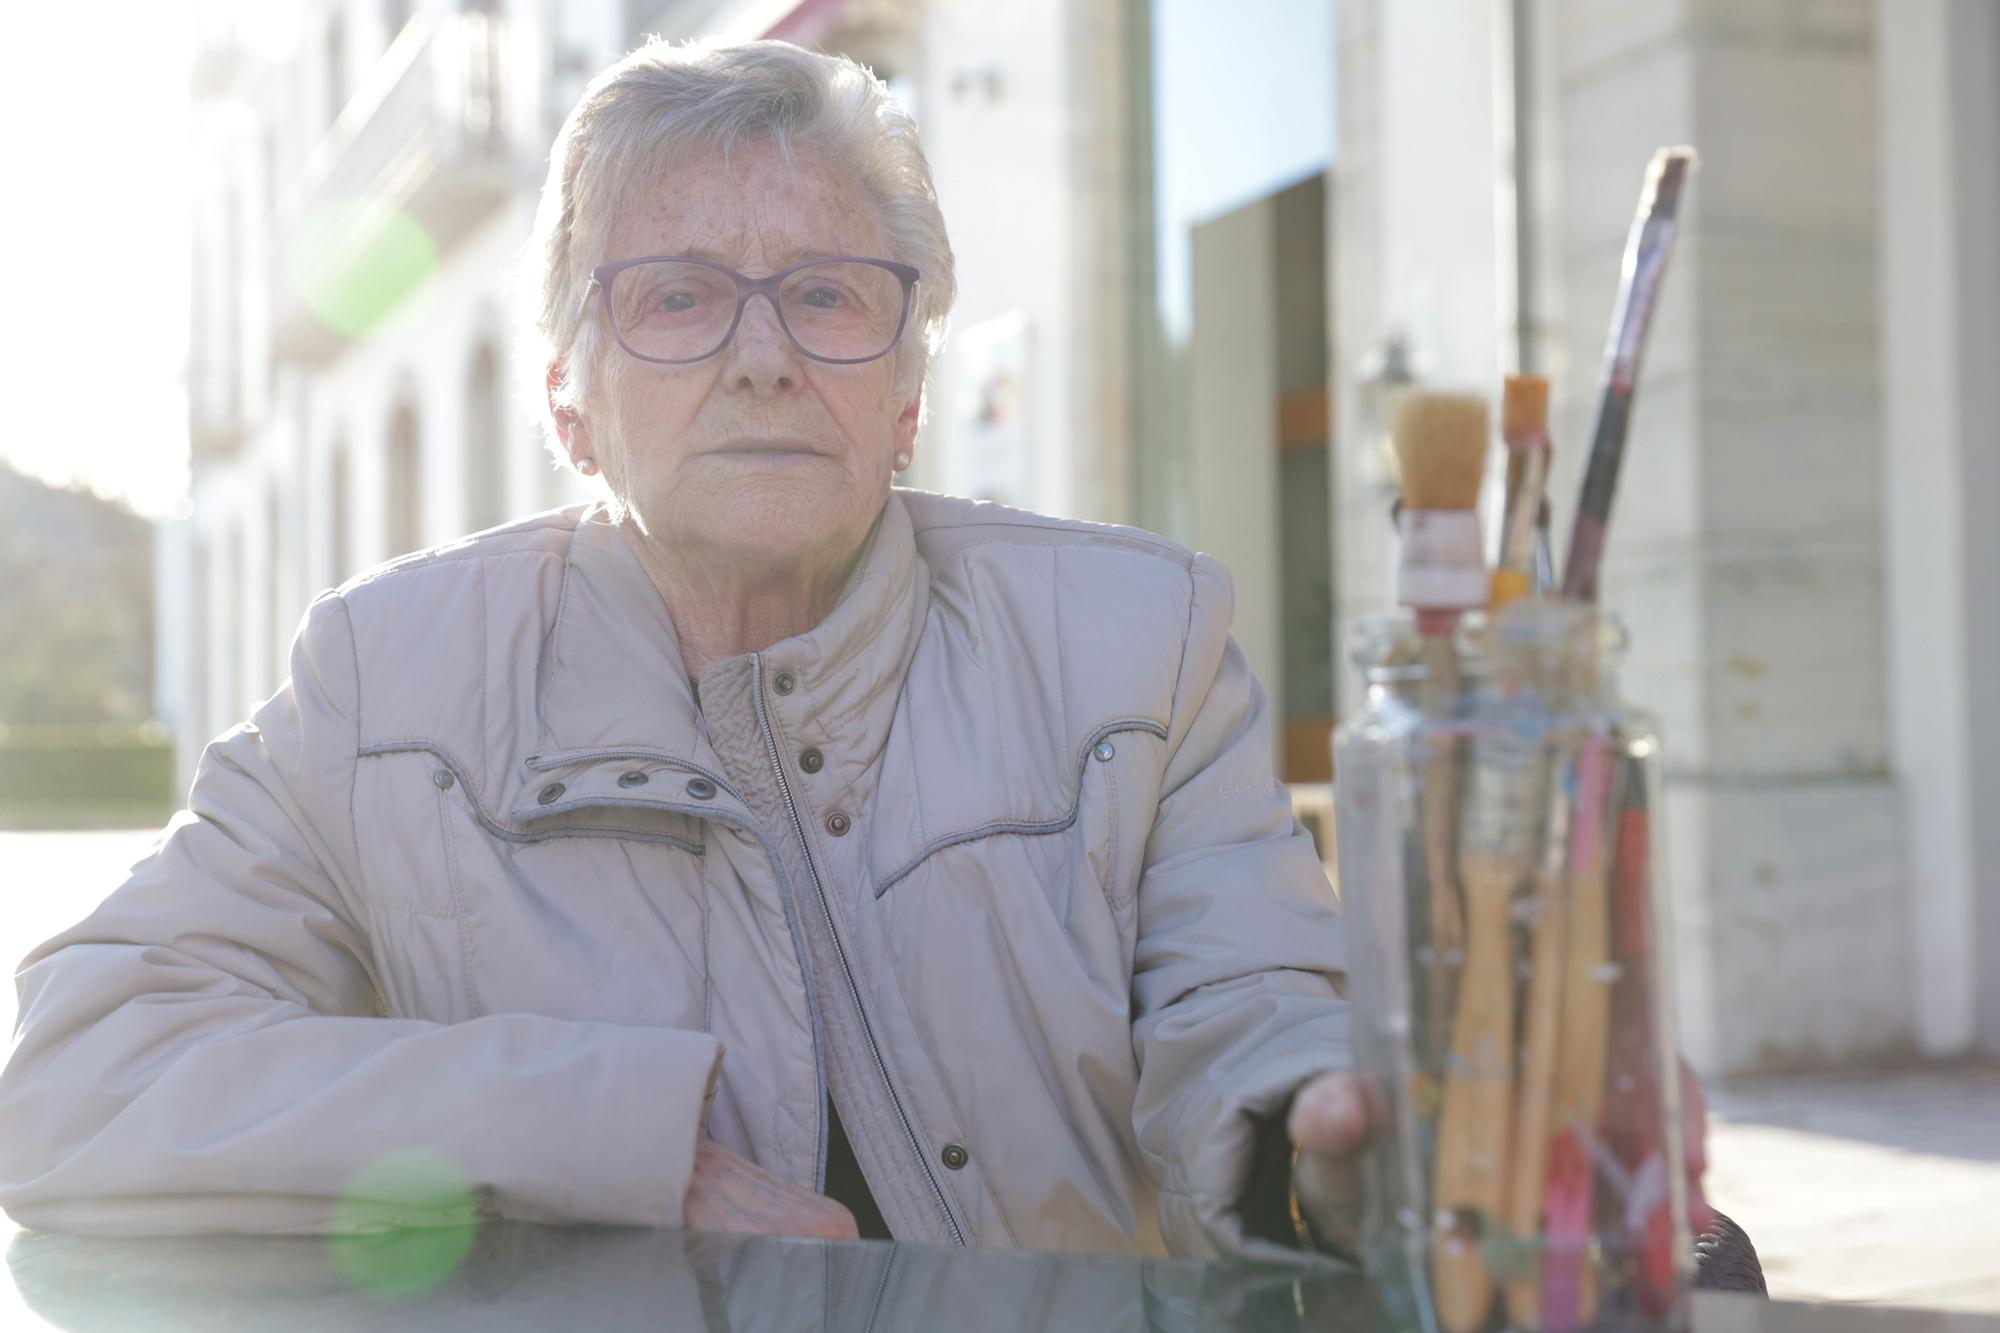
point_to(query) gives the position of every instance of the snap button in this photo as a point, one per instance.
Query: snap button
(551, 793)
(632, 779)
(444, 779)
(811, 760)
(837, 824)
(701, 788)
(783, 682)
(955, 1156)
(1104, 750)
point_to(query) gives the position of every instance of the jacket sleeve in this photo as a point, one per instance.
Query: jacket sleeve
(204, 1051)
(1239, 970)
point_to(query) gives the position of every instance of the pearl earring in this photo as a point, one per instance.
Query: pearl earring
(587, 466)
(902, 461)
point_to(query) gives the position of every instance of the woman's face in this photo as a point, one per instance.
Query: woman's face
(757, 456)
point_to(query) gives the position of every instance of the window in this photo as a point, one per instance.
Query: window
(276, 632)
(339, 512)
(1231, 403)
(405, 500)
(486, 460)
(336, 66)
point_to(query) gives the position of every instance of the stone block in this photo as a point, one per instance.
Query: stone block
(1795, 670)
(1787, 139)
(1660, 602)
(1807, 930)
(1602, 37)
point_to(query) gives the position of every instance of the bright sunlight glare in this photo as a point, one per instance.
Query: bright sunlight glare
(95, 250)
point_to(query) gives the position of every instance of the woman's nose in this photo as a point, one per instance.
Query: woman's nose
(761, 356)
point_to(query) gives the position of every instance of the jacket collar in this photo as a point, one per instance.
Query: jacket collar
(613, 681)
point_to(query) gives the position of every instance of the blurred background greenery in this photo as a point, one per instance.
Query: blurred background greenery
(79, 747)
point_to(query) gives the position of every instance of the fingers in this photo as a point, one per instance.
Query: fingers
(835, 1223)
(729, 1192)
(1331, 1193)
(1330, 1115)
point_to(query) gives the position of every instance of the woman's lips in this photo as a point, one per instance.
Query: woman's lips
(771, 449)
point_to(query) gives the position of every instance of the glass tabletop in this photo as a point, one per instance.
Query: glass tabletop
(507, 1276)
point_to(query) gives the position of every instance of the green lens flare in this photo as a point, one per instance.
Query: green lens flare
(404, 1223)
(354, 261)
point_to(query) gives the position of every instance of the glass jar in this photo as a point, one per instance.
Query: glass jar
(1510, 979)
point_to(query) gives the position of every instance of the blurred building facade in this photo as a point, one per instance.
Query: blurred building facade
(365, 183)
(1798, 549)
(1198, 245)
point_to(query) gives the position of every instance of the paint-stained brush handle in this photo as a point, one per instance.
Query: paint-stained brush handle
(1541, 1027)
(1647, 248)
(1635, 1120)
(1569, 1285)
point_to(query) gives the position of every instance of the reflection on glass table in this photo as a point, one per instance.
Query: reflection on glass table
(508, 1276)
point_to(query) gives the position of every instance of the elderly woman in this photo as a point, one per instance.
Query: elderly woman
(763, 835)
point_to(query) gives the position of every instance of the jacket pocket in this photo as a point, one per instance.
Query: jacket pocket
(1091, 809)
(468, 916)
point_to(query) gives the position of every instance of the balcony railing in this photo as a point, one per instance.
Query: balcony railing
(414, 162)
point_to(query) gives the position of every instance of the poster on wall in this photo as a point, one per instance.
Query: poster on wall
(993, 457)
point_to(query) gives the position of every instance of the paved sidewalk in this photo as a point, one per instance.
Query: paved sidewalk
(1870, 1187)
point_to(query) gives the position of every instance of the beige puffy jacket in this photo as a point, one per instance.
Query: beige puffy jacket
(995, 854)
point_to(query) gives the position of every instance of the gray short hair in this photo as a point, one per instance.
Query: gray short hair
(709, 96)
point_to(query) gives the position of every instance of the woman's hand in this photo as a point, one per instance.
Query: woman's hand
(1331, 1122)
(732, 1193)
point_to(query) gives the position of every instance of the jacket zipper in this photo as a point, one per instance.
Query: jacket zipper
(847, 972)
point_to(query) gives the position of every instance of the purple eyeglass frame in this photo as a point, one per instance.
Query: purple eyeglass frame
(601, 276)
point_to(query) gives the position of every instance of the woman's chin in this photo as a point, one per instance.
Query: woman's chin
(778, 519)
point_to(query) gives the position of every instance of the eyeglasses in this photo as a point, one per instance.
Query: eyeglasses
(672, 310)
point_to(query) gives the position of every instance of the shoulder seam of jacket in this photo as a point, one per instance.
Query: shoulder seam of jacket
(1034, 534)
(1187, 647)
(432, 559)
(1077, 530)
(353, 767)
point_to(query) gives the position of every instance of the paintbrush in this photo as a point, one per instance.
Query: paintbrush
(1524, 427)
(1647, 248)
(1569, 1283)
(1441, 443)
(1504, 800)
(1569, 1292)
(1545, 560)
(1541, 1026)
(1636, 1114)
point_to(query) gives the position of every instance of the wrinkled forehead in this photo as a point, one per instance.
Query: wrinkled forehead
(752, 208)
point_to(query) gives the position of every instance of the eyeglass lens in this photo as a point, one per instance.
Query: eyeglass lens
(678, 311)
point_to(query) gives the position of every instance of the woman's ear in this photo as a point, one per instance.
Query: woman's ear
(575, 436)
(903, 435)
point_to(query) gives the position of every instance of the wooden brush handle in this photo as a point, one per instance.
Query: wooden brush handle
(1438, 698)
(1570, 1283)
(1535, 1094)
(1472, 1126)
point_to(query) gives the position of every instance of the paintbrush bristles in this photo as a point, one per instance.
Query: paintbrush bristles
(1524, 407)
(1441, 442)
